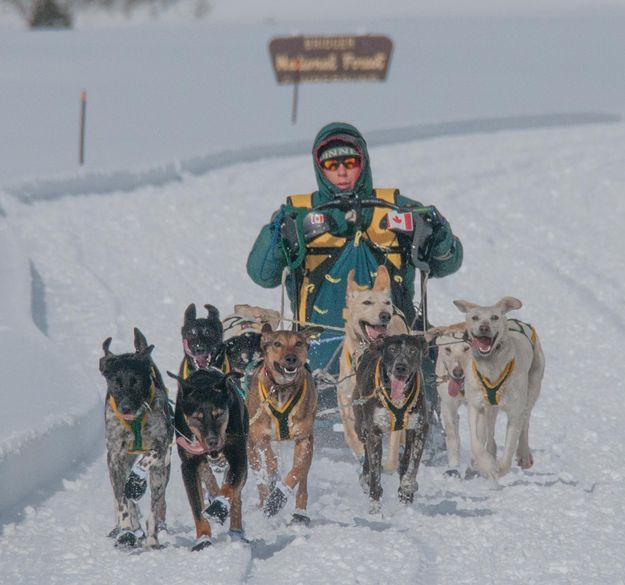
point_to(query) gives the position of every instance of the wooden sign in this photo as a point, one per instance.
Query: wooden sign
(327, 58)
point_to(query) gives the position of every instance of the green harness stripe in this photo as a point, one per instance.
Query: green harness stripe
(491, 389)
(135, 426)
(399, 414)
(282, 415)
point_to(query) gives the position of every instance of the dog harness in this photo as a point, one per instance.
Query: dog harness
(135, 426)
(399, 414)
(521, 329)
(491, 390)
(280, 415)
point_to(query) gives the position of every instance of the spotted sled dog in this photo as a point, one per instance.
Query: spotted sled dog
(139, 434)
(389, 397)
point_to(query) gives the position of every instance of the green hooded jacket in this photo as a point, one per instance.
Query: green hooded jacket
(267, 260)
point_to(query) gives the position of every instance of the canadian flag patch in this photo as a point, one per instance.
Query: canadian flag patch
(400, 221)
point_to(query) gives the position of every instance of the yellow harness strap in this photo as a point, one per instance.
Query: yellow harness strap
(135, 426)
(281, 414)
(399, 413)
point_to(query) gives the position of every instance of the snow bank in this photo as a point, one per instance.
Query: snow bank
(52, 414)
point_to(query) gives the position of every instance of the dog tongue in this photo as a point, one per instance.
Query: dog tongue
(454, 386)
(194, 448)
(375, 331)
(397, 388)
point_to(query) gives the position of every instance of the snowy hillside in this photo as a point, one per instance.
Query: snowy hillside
(530, 173)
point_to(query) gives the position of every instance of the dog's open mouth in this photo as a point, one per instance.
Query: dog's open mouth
(398, 386)
(484, 344)
(201, 360)
(193, 447)
(373, 332)
(455, 386)
(285, 372)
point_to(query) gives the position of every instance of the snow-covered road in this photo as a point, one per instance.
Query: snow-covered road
(541, 215)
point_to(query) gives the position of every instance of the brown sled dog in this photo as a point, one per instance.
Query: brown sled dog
(368, 316)
(282, 403)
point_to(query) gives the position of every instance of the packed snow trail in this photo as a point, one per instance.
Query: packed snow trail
(541, 216)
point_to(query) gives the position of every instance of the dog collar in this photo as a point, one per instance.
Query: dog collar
(491, 390)
(135, 426)
(399, 413)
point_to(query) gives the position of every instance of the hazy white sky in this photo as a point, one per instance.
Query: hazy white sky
(297, 9)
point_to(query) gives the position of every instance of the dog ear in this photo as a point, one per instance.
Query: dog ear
(107, 354)
(351, 283)
(464, 306)
(189, 314)
(213, 312)
(508, 304)
(423, 344)
(382, 279)
(141, 343)
(265, 332)
(106, 345)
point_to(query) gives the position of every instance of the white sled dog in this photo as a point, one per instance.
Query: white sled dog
(368, 316)
(506, 372)
(452, 364)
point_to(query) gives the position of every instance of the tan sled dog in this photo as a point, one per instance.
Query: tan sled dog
(368, 316)
(282, 404)
(506, 372)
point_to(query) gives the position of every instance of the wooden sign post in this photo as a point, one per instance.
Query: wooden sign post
(83, 116)
(329, 58)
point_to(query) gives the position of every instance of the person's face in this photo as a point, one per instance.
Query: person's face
(343, 171)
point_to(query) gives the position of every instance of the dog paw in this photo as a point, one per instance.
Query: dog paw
(276, 499)
(201, 543)
(113, 533)
(375, 507)
(237, 536)
(218, 509)
(405, 496)
(299, 519)
(129, 538)
(454, 473)
(471, 473)
(136, 485)
(525, 461)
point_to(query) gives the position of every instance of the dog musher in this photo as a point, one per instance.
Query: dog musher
(347, 224)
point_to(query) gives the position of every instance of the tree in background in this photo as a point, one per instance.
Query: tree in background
(45, 13)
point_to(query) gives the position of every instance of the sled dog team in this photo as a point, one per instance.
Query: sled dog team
(243, 384)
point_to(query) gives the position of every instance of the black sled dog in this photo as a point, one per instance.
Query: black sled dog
(202, 341)
(389, 397)
(211, 428)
